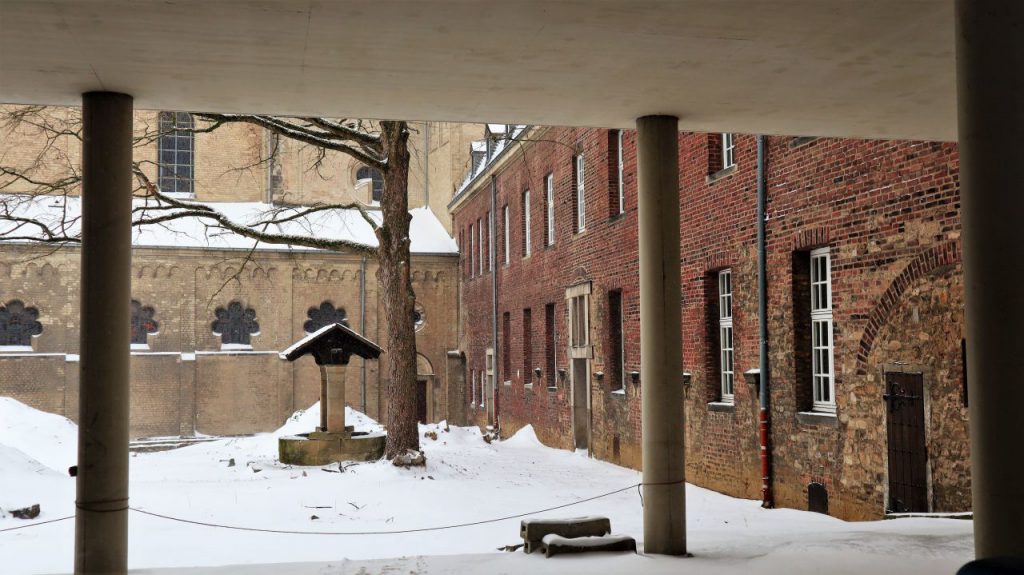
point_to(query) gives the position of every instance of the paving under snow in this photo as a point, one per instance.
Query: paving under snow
(465, 480)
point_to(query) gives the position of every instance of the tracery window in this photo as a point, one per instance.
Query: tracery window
(324, 315)
(18, 324)
(235, 325)
(143, 324)
(176, 153)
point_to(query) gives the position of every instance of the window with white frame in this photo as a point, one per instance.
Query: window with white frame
(507, 236)
(490, 237)
(622, 186)
(472, 252)
(480, 246)
(581, 197)
(472, 388)
(725, 339)
(483, 389)
(526, 224)
(822, 368)
(728, 148)
(579, 320)
(549, 185)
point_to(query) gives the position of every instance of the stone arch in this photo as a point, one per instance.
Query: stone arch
(423, 365)
(944, 254)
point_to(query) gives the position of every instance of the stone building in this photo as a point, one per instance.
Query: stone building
(210, 312)
(864, 296)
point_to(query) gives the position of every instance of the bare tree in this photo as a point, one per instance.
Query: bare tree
(50, 170)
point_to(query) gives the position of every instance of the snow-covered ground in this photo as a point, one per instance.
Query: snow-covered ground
(465, 480)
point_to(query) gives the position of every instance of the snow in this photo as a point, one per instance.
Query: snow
(426, 233)
(589, 541)
(465, 480)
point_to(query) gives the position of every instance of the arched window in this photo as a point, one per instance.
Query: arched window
(175, 153)
(377, 181)
(235, 325)
(18, 324)
(143, 324)
(324, 315)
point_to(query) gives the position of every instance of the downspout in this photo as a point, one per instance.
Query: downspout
(767, 499)
(492, 252)
(426, 166)
(362, 325)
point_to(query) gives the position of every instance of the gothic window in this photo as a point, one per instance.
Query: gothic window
(18, 324)
(175, 153)
(324, 315)
(143, 323)
(235, 324)
(376, 181)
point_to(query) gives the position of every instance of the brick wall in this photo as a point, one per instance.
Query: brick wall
(888, 211)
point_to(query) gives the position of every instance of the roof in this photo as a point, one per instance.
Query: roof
(426, 233)
(332, 344)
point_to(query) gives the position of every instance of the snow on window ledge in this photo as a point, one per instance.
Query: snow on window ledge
(16, 349)
(236, 346)
(140, 347)
(621, 392)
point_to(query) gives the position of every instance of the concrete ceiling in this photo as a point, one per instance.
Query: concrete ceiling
(859, 68)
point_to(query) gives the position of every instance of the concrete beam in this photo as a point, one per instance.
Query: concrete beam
(101, 519)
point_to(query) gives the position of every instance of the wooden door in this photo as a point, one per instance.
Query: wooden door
(908, 456)
(421, 401)
(581, 415)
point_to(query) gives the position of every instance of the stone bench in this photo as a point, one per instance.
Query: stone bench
(533, 531)
(556, 544)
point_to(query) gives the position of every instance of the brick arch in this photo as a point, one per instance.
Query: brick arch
(944, 254)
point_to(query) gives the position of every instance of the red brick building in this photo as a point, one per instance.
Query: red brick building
(864, 297)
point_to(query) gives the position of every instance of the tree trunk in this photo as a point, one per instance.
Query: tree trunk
(393, 273)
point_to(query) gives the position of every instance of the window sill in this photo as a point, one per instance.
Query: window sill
(139, 347)
(723, 173)
(16, 349)
(619, 393)
(721, 406)
(528, 386)
(507, 383)
(552, 389)
(817, 418)
(235, 347)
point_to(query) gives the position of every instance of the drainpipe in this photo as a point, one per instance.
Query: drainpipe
(362, 325)
(426, 165)
(767, 500)
(494, 300)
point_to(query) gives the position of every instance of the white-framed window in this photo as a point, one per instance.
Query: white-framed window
(622, 186)
(579, 320)
(728, 149)
(507, 235)
(472, 252)
(480, 247)
(472, 388)
(490, 248)
(822, 365)
(725, 339)
(526, 224)
(581, 196)
(549, 185)
(483, 389)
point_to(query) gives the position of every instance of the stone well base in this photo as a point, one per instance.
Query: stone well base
(321, 448)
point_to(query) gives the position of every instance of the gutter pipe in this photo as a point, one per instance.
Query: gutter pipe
(767, 498)
(492, 253)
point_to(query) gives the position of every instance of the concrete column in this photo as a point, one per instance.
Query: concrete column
(335, 400)
(661, 365)
(990, 87)
(101, 521)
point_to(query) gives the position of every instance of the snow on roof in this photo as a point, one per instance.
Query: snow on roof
(496, 128)
(478, 145)
(363, 347)
(500, 146)
(426, 233)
